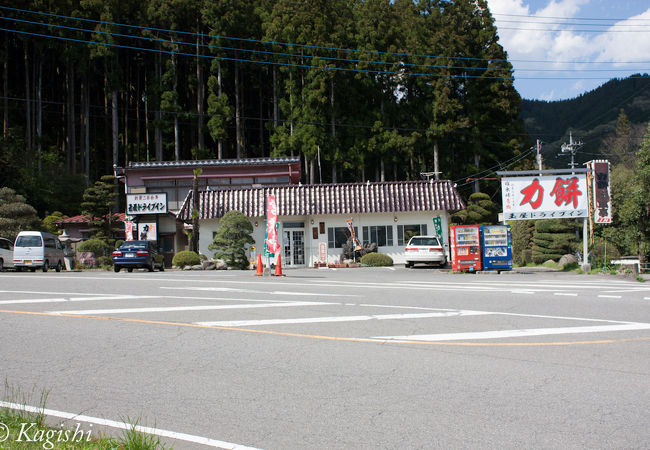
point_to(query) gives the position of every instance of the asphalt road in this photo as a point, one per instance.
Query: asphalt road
(351, 358)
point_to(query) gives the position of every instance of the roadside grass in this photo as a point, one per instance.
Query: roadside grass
(21, 429)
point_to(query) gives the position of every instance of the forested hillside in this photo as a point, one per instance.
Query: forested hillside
(592, 118)
(371, 90)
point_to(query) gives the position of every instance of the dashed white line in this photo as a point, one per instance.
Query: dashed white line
(125, 426)
(241, 323)
(90, 312)
(609, 296)
(566, 294)
(75, 299)
(516, 333)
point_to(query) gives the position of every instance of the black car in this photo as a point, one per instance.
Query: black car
(137, 254)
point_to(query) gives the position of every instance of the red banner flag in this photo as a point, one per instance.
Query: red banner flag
(272, 243)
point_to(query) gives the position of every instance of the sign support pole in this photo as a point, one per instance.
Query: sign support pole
(585, 236)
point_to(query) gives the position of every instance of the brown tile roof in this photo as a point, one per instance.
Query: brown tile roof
(321, 199)
(119, 217)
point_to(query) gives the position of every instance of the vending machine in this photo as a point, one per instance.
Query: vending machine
(496, 247)
(465, 248)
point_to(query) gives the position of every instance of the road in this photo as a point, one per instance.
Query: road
(352, 358)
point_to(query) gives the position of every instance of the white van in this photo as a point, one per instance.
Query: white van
(38, 250)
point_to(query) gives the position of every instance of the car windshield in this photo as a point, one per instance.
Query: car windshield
(424, 241)
(134, 245)
(29, 241)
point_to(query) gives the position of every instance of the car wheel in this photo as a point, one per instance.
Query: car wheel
(150, 268)
(162, 267)
(2, 265)
(116, 268)
(46, 266)
(130, 269)
(408, 265)
(58, 266)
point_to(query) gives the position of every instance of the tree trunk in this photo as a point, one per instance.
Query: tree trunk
(194, 242)
(28, 105)
(477, 186)
(177, 137)
(39, 116)
(237, 112)
(158, 131)
(137, 114)
(5, 88)
(200, 93)
(261, 120)
(125, 133)
(276, 116)
(87, 131)
(220, 140)
(115, 128)
(333, 131)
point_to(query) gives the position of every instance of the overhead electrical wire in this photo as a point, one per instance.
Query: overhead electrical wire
(299, 45)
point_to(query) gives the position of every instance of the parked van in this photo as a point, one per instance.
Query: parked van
(38, 250)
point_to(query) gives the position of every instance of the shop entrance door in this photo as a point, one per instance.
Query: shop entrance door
(294, 248)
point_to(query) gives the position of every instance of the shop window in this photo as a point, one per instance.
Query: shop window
(406, 232)
(337, 236)
(380, 234)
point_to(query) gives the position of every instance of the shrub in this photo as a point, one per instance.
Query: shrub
(96, 246)
(186, 258)
(231, 239)
(376, 260)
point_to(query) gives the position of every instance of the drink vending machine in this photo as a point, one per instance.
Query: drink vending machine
(496, 247)
(465, 248)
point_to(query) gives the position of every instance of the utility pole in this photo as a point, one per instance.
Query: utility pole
(538, 158)
(571, 147)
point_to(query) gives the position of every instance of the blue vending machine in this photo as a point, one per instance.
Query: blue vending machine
(496, 247)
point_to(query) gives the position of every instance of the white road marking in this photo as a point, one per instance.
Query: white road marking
(91, 312)
(125, 426)
(609, 296)
(240, 323)
(521, 291)
(75, 299)
(566, 294)
(499, 334)
(252, 291)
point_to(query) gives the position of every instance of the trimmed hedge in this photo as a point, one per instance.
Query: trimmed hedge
(95, 246)
(186, 258)
(376, 260)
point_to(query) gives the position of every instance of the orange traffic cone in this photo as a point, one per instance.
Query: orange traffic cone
(260, 269)
(278, 268)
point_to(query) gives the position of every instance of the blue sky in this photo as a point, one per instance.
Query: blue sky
(563, 48)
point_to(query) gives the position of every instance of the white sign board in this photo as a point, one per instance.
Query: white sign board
(147, 232)
(146, 204)
(545, 197)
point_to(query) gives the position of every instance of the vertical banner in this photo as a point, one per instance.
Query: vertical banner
(272, 243)
(322, 252)
(357, 244)
(602, 197)
(437, 226)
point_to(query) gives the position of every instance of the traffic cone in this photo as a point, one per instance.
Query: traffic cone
(278, 268)
(260, 269)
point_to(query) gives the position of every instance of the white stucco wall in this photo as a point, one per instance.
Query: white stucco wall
(334, 254)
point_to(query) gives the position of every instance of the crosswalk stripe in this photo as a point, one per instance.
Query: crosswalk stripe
(188, 308)
(515, 333)
(240, 323)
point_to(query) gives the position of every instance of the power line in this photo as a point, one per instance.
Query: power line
(377, 52)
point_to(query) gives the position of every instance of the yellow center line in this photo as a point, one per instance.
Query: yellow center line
(321, 337)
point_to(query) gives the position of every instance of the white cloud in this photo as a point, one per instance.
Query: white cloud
(533, 53)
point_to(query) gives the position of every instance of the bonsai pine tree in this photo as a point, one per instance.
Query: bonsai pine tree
(231, 239)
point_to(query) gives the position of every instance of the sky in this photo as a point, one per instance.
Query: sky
(563, 48)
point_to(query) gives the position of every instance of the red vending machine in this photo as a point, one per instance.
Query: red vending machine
(465, 248)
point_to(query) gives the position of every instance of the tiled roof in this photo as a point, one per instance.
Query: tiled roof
(321, 199)
(119, 217)
(214, 162)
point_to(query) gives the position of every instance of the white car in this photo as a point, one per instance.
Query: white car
(6, 254)
(424, 249)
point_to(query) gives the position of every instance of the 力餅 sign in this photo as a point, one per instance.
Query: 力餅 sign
(545, 197)
(146, 204)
